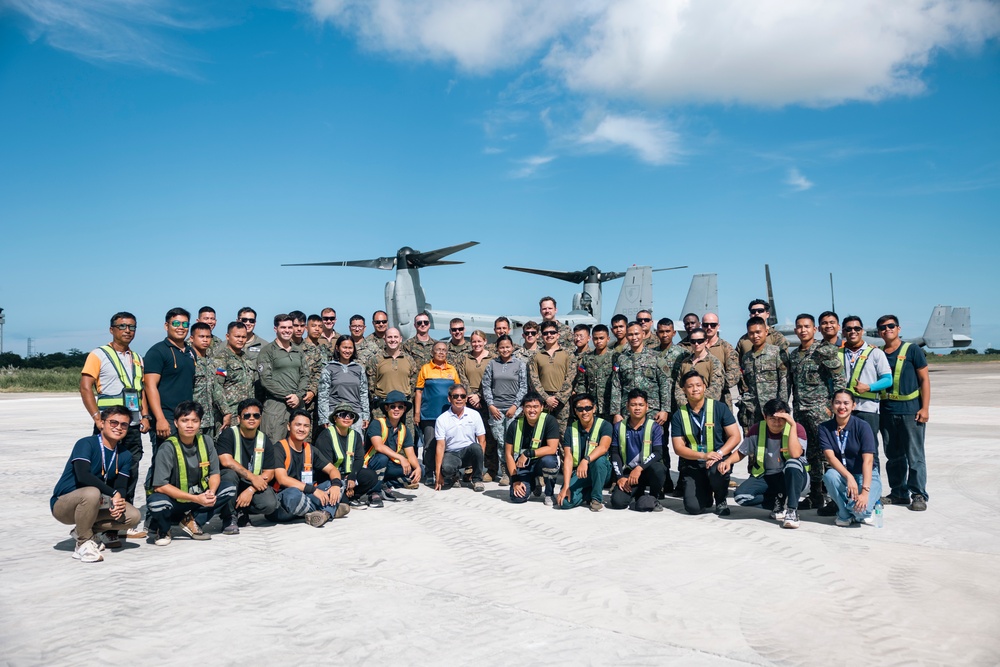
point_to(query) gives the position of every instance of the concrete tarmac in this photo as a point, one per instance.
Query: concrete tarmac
(456, 577)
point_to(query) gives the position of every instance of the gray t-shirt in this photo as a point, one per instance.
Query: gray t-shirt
(166, 465)
(875, 366)
(772, 448)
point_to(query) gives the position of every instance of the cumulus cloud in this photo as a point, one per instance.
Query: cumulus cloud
(764, 52)
(529, 166)
(797, 181)
(649, 139)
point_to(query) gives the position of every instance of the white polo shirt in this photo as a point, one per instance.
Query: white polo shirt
(459, 432)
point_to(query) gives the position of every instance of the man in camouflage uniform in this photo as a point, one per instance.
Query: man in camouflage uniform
(759, 308)
(645, 320)
(725, 353)
(236, 371)
(530, 335)
(816, 372)
(328, 336)
(362, 348)
(690, 322)
(619, 325)
(316, 355)
(593, 372)
(667, 353)
(765, 373)
(248, 316)
(298, 326)
(421, 347)
(638, 368)
(697, 358)
(206, 314)
(501, 327)
(207, 387)
(458, 344)
(551, 372)
(376, 339)
(547, 310)
(391, 370)
(581, 341)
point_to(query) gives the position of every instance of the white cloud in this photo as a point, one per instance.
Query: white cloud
(529, 166)
(649, 139)
(797, 181)
(761, 52)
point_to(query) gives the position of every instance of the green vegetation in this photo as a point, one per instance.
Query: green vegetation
(964, 356)
(39, 379)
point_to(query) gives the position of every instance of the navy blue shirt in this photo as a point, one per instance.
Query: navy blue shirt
(723, 418)
(104, 464)
(856, 439)
(176, 370)
(908, 381)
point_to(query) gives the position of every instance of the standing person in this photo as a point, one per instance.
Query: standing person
(90, 493)
(586, 465)
(691, 322)
(247, 316)
(815, 372)
(207, 389)
(581, 341)
(704, 432)
(376, 339)
(458, 346)
(235, 368)
(316, 357)
(765, 373)
(551, 373)
(645, 320)
(501, 327)
(725, 353)
(619, 325)
(344, 381)
(169, 375)
(904, 412)
(471, 366)
(698, 358)
(529, 334)
(430, 397)
(852, 477)
(547, 311)
(829, 328)
(361, 345)
(421, 346)
(115, 372)
(246, 457)
(866, 371)
(206, 314)
(328, 336)
(460, 436)
(391, 370)
(531, 449)
(284, 378)
(390, 448)
(593, 372)
(340, 455)
(298, 326)
(637, 460)
(637, 368)
(759, 308)
(505, 383)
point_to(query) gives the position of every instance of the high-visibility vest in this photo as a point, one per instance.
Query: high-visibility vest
(258, 449)
(857, 372)
(203, 463)
(347, 458)
(757, 467)
(135, 383)
(709, 430)
(536, 437)
(592, 442)
(385, 434)
(647, 440)
(307, 462)
(897, 372)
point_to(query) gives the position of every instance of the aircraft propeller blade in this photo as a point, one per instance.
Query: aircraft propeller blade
(568, 276)
(384, 263)
(418, 260)
(671, 268)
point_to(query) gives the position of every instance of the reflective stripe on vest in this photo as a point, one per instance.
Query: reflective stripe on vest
(647, 441)
(307, 462)
(347, 458)
(758, 463)
(135, 384)
(258, 449)
(897, 373)
(401, 438)
(857, 372)
(536, 437)
(182, 471)
(708, 431)
(592, 442)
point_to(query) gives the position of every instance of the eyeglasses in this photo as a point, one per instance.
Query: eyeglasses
(248, 320)
(177, 324)
(584, 408)
(530, 333)
(890, 326)
(251, 415)
(696, 341)
(359, 325)
(380, 321)
(757, 311)
(457, 329)
(853, 329)
(709, 325)
(396, 406)
(329, 319)
(343, 414)
(456, 396)
(423, 323)
(117, 425)
(125, 327)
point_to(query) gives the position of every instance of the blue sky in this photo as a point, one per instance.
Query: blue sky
(155, 154)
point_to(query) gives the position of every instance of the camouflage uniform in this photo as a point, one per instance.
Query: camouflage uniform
(526, 355)
(456, 353)
(329, 344)
(667, 359)
(710, 370)
(639, 371)
(421, 353)
(238, 381)
(208, 392)
(765, 376)
(593, 376)
(815, 374)
(492, 349)
(371, 339)
(363, 350)
(215, 349)
(546, 378)
(316, 357)
(743, 345)
(565, 336)
(726, 354)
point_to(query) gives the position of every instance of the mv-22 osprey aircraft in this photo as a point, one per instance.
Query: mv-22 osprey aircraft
(404, 297)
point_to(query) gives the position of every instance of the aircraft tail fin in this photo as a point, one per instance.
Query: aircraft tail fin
(636, 293)
(702, 296)
(771, 321)
(948, 327)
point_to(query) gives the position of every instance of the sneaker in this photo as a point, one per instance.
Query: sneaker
(478, 487)
(830, 509)
(375, 500)
(317, 518)
(732, 484)
(232, 526)
(357, 504)
(191, 527)
(343, 509)
(596, 506)
(88, 552)
(112, 540)
(429, 480)
(549, 501)
(869, 520)
(98, 544)
(778, 513)
(504, 480)
(722, 509)
(657, 507)
(678, 492)
(410, 486)
(242, 519)
(919, 503)
(896, 500)
(791, 519)
(810, 503)
(387, 494)
(487, 477)
(162, 539)
(843, 523)
(136, 533)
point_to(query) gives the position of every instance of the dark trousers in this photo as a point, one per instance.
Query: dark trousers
(459, 459)
(263, 502)
(905, 465)
(155, 441)
(164, 511)
(377, 472)
(810, 420)
(132, 442)
(872, 419)
(430, 445)
(653, 477)
(702, 486)
(545, 467)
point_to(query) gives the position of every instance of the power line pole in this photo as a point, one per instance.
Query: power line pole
(29, 348)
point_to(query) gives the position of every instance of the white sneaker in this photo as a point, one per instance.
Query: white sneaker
(162, 540)
(869, 520)
(136, 533)
(778, 512)
(88, 552)
(98, 544)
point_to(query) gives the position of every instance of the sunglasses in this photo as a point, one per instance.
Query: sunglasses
(458, 328)
(423, 323)
(643, 320)
(697, 341)
(251, 415)
(550, 333)
(853, 329)
(530, 333)
(456, 396)
(757, 311)
(117, 425)
(329, 319)
(397, 406)
(248, 320)
(584, 408)
(890, 326)
(380, 321)
(709, 325)
(125, 327)
(344, 415)
(177, 324)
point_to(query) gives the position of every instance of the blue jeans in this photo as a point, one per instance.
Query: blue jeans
(294, 504)
(836, 486)
(905, 465)
(790, 483)
(164, 511)
(546, 467)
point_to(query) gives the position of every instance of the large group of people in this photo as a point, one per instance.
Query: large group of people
(313, 424)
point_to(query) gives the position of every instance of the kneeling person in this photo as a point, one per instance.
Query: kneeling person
(586, 466)
(187, 486)
(777, 451)
(339, 450)
(637, 461)
(390, 448)
(300, 494)
(90, 494)
(246, 456)
(531, 446)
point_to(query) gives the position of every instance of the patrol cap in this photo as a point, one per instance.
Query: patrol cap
(344, 407)
(395, 396)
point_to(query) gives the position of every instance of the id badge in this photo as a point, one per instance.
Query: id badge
(132, 403)
(307, 477)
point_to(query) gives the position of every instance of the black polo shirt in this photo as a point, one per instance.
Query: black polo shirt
(176, 370)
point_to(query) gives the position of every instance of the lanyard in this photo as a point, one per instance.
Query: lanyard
(852, 359)
(842, 435)
(700, 425)
(106, 465)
